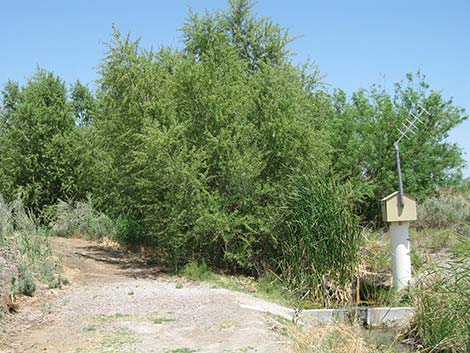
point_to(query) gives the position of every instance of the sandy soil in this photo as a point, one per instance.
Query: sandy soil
(119, 302)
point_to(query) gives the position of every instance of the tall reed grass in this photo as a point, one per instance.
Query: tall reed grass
(321, 240)
(442, 301)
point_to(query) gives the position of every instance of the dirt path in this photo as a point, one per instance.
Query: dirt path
(118, 302)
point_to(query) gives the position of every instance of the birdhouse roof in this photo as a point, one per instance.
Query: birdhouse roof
(392, 195)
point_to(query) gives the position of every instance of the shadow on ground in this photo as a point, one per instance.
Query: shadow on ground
(96, 259)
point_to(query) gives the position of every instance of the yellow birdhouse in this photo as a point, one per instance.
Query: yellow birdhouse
(393, 211)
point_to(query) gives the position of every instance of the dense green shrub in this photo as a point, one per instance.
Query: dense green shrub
(199, 166)
(37, 142)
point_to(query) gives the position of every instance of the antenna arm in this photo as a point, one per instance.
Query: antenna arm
(407, 128)
(400, 181)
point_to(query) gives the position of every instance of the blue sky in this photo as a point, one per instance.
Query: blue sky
(355, 43)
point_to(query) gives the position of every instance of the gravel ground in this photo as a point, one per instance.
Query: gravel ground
(116, 302)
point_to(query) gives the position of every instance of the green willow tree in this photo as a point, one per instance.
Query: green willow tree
(205, 149)
(36, 118)
(38, 156)
(205, 128)
(363, 131)
(258, 41)
(83, 104)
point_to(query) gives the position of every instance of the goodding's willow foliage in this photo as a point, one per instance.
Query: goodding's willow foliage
(36, 141)
(364, 129)
(201, 148)
(222, 151)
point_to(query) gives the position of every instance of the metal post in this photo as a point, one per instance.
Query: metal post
(401, 254)
(400, 182)
(399, 231)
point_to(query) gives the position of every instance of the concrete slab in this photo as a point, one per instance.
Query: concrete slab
(325, 316)
(389, 316)
(371, 317)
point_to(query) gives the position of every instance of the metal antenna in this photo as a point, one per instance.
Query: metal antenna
(409, 128)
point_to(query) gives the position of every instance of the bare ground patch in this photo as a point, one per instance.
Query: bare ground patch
(119, 302)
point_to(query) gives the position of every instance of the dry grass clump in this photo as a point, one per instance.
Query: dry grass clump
(442, 302)
(375, 259)
(339, 338)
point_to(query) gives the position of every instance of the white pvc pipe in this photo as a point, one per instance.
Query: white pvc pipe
(401, 257)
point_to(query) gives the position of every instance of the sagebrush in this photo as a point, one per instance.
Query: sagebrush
(80, 218)
(25, 251)
(450, 208)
